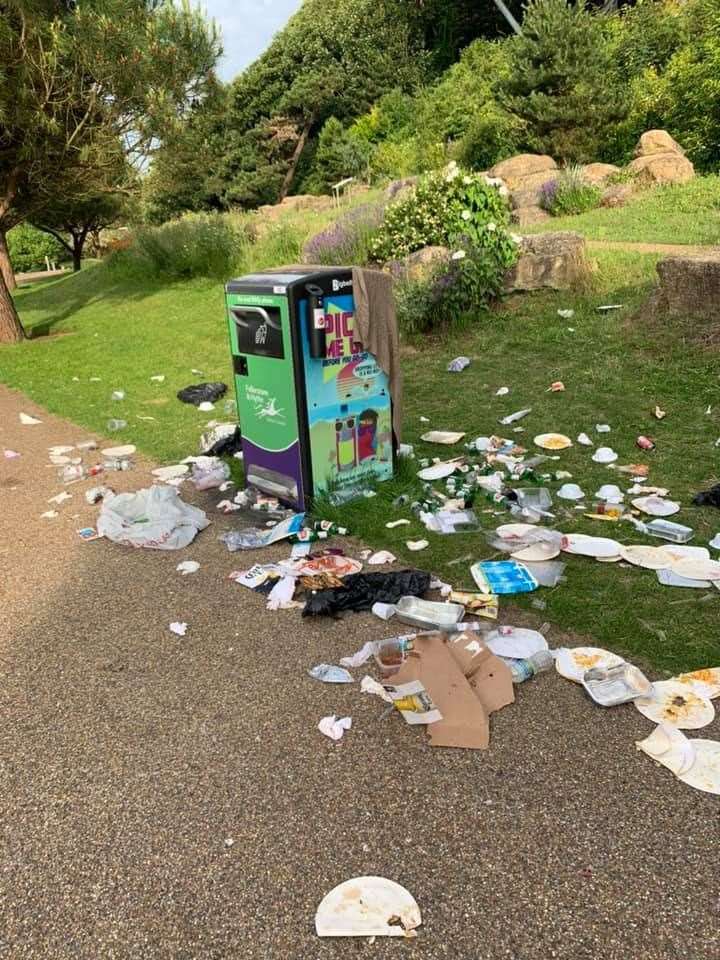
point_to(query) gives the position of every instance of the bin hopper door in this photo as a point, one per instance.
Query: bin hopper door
(259, 331)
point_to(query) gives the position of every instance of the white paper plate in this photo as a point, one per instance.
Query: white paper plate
(552, 441)
(509, 531)
(519, 644)
(644, 555)
(704, 774)
(696, 569)
(537, 552)
(437, 471)
(127, 451)
(442, 436)
(59, 451)
(587, 546)
(665, 707)
(656, 506)
(364, 906)
(706, 682)
(172, 472)
(572, 662)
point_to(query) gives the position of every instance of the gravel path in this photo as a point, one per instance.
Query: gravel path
(668, 249)
(128, 757)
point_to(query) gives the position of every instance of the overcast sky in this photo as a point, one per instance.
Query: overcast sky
(247, 28)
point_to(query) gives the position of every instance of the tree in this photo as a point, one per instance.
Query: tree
(559, 80)
(76, 80)
(71, 221)
(339, 154)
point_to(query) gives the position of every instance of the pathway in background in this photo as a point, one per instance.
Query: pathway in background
(666, 249)
(172, 798)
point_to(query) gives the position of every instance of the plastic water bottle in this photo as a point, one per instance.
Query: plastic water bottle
(114, 425)
(526, 669)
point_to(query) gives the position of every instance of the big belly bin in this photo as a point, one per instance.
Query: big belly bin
(315, 408)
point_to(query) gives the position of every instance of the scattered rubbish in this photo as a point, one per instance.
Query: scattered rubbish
(117, 395)
(428, 614)
(60, 497)
(605, 455)
(171, 472)
(334, 727)
(49, 515)
(88, 534)
(667, 530)
(645, 443)
(253, 538)
(502, 391)
(222, 440)
(458, 678)
(615, 685)
(573, 662)
(208, 473)
(585, 440)
(362, 656)
(406, 450)
(381, 557)
(708, 411)
(202, 393)
(94, 379)
(715, 542)
(368, 907)
(158, 378)
(424, 419)
(188, 566)
(10, 454)
(552, 441)
(440, 470)
(528, 667)
(156, 518)
(385, 611)
(397, 523)
(28, 421)
(611, 306)
(451, 521)
(708, 498)
(340, 566)
(206, 406)
(119, 453)
(705, 682)
(442, 436)
(668, 578)
(503, 577)
(557, 387)
(179, 628)
(330, 674)
(659, 413)
(515, 642)
(697, 569)
(610, 493)
(641, 555)
(694, 762)
(602, 428)
(361, 590)
(570, 491)
(114, 425)
(416, 545)
(676, 704)
(514, 417)
(479, 604)
(458, 364)
(566, 314)
(548, 573)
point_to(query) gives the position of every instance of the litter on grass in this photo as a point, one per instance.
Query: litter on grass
(458, 364)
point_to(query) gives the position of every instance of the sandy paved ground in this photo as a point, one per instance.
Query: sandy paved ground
(129, 755)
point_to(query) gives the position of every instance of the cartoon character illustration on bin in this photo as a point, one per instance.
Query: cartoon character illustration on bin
(346, 443)
(367, 440)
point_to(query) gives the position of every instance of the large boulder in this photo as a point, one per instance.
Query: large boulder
(555, 260)
(659, 159)
(616, 195)
(417, 265)
(689, 287)
(656, 141)
(515, 171)
(525, 216)
(599, 172)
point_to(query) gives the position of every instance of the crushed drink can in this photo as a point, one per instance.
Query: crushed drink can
(645, 443)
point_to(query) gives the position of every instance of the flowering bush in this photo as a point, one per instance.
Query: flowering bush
(442, 207)
(569, 193)
(346, 241)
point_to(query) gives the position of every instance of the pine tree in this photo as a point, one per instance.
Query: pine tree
(560, 82)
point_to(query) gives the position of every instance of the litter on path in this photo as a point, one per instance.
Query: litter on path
(188, 566)
(368, 907)
(28, 421)
(334, 727)
(179, 628)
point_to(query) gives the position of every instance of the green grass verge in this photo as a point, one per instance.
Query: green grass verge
(688, 213)
(615, 370)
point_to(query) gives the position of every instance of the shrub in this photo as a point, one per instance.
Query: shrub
(569, 193)
(339, 154)
(195, 245)
(347, 241)
(444, 206)
(29, 246)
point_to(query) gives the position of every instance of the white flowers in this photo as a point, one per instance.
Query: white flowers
(491, 227)
(452, 171)
(467, 181)
(503, 191)
(466, 215)
(458, 255)
(494, 182)
(516, 238)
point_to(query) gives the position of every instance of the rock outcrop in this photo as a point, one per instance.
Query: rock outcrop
(418, 264)
(598, 173)
(660, 160)
(555, 260)
(689, 287)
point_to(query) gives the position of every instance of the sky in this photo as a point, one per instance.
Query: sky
(247, 28)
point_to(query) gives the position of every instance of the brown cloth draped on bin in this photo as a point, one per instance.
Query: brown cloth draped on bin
(376, 328)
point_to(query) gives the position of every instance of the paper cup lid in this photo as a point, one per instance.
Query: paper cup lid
(609, 491)
(570, 491)
(604, 455)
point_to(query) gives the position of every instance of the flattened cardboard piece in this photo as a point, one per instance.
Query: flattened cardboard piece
(442, 665)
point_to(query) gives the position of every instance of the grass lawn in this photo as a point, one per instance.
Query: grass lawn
(615, 371)
(688, 213)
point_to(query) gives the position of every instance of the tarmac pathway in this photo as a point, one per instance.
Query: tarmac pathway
(129, 758)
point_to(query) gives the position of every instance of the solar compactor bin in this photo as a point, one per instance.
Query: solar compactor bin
(315, 408)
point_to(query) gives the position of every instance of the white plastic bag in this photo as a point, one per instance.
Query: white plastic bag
(209, 473)
(156, 518)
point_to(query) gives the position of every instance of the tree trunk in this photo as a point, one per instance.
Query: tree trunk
(11, 330)
(6, 267)
(297, 153)
(78, 244)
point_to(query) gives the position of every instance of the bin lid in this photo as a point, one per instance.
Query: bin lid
(269, 280)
